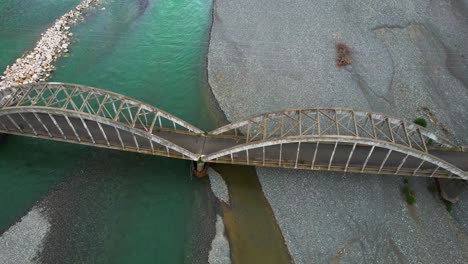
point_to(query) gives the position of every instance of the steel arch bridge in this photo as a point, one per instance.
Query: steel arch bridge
(334, 139)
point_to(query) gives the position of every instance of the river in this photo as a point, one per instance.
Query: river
(108, 206)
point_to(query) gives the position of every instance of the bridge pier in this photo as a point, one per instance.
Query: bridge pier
(200, 169)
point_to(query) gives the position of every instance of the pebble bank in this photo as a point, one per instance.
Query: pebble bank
(37, 65)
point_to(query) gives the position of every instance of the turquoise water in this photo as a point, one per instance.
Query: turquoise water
(121, 207)
(21, 23)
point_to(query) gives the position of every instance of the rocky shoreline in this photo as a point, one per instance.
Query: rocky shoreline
(37, 65)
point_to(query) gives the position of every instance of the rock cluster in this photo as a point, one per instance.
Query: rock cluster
(37, 65)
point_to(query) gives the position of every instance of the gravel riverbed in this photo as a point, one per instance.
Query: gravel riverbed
(409, 59)
(22, 242)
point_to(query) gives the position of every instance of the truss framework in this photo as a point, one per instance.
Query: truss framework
(335, 139)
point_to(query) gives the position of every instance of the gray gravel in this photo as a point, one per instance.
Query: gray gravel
(410, 58)
(407, 54)
(23, 241)
(332, 217)
(219, 253)
(218, 186)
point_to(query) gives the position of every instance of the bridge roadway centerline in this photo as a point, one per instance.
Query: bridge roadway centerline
(335, 139)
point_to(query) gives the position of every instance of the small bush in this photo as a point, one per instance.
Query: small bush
(448, 206)
(343, 55)
(408, 193)
(410, 200)
(420, 121)
(429, 142)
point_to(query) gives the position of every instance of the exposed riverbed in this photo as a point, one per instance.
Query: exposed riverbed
(407, 59)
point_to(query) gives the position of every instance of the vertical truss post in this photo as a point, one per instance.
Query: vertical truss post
(151, 144)
(315, 155)
(15, 124)
(263, 158)
(72, 127)
(103, 133)
(264, 127)
(318, 123)
(281, 126)
(390, 130)
(280, 154)
(333, 154)
(42, 123)
(417, 169)
(136, 143)
(367, 159)
(29, 124)
(385, 160)
(87, 130)
(401, 164)
(435, 170)
(335, 119)
(300, 122)
(297, 153)
(120, 138)
(3, 125)
(57, 126)
(349, 157)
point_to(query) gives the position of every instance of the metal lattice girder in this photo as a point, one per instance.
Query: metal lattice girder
(314, 138)
(332, 122)
(96, 102)
(86, 129)
(88, 104)
(303, 157)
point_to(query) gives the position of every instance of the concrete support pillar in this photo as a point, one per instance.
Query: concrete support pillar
(200, 166)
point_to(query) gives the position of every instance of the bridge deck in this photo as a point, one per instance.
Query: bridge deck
(334, 139)
(207, 144)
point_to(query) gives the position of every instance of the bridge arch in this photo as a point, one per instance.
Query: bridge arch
(405, 160)
(343, 129)
(92, 116)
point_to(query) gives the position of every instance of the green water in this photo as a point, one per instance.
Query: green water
(122, 207)
(21, 23)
